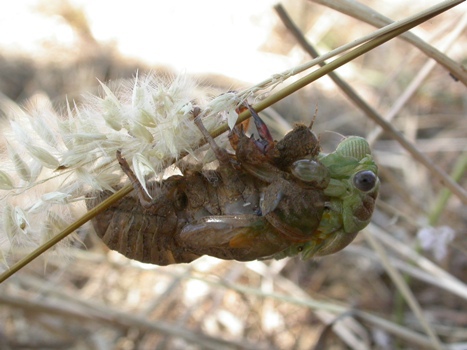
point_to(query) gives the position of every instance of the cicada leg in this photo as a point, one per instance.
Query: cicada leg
(229, 169)
(266, 141)
(221, 154)
(165, 192)
(254, 156)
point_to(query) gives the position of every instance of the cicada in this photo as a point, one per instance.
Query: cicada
(268, 199)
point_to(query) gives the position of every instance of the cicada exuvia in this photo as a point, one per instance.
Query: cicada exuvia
(269, 199)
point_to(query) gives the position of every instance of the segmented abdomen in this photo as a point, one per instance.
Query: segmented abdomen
(138, 234)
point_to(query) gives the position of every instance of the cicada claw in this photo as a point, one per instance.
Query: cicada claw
(266, 141)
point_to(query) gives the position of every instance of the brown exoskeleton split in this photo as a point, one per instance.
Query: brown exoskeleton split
(259, 201)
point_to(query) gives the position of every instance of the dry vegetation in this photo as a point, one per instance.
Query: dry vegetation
(365, 297)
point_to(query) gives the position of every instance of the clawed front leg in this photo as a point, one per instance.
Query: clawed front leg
(221, 154)
(266, 140)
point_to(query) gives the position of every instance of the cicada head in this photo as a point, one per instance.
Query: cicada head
(354, 182)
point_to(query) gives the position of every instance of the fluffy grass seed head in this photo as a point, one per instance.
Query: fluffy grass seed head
(51, 161)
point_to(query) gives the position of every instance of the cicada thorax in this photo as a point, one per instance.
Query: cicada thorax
(293, 201)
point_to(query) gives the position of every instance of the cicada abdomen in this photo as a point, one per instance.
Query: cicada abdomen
(146, 236)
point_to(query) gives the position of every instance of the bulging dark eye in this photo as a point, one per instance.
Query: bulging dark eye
(365, 180)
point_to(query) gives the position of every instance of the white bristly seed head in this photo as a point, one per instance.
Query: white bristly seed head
(51, 161)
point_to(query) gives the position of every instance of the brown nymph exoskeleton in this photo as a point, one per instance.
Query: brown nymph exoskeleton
(261, 200)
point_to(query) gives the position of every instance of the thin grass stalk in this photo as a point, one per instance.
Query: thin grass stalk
(404, 290)
(418, 79)
(425, 264)
(370, 16)
(94, 312)
(313, 304)
(440, 204)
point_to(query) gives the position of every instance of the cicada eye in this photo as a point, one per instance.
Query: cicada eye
(365, 180)
(312, 172)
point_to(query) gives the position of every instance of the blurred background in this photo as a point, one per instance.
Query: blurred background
(97, 299)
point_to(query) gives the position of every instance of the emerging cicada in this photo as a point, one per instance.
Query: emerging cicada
(268, 200)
